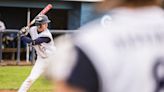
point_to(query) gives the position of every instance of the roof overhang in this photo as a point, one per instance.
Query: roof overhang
(85, 0)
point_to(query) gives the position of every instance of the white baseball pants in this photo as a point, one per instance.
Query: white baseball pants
(38, 69)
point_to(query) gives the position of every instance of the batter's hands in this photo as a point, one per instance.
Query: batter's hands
(24, 31)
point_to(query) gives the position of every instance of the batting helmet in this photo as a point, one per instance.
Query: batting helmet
(41, 19)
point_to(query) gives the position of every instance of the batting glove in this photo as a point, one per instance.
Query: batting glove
(24, 31)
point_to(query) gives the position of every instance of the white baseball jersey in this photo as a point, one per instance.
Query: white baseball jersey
(126, 49)
(44, 49)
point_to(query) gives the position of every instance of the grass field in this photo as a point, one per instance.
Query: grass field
(11, 77)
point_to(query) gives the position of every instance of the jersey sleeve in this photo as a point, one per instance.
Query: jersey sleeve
(41, 40)
(26, 39)
(84, 74)
(36, 41)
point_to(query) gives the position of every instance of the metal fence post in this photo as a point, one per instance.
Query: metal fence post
(18, 49)
(33, 55)
(28, 46)
(27, 52)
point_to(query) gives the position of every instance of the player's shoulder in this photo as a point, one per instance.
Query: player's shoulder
(45, 33)
(122, 21)
(32, 29)
(98, 23)
(94, 29)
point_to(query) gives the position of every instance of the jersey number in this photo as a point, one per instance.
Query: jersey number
(158, 73)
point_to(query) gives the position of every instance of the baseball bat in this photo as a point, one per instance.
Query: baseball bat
(44, 11)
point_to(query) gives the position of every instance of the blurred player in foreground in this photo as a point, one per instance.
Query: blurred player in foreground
(42, 41)
(125, 54)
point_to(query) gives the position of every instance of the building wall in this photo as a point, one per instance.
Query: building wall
(74, 17)
(83, 13)
(88, 13)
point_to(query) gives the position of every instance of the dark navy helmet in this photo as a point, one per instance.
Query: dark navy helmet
(41, 19)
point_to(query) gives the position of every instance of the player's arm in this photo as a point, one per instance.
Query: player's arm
(84, 74)
(24, 31)
(83, 77)
(36, 41)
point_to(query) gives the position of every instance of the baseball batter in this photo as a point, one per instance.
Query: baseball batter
(42, 41)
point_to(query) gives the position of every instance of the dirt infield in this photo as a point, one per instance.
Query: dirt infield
(14, 63)
(7, 90)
